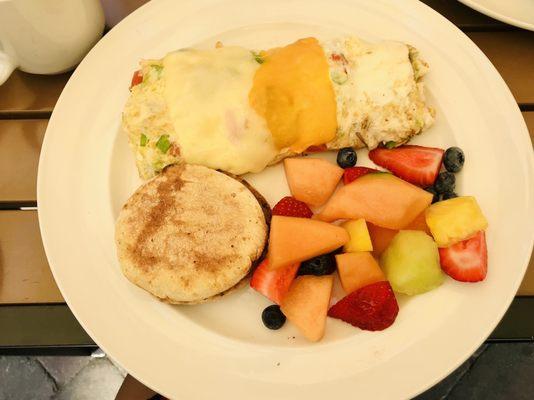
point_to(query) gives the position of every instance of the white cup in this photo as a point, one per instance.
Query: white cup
(47, 36)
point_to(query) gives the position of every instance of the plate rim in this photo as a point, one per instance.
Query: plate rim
(475, 5)
(44, 150)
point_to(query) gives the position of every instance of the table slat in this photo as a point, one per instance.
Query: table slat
(40, 326)
(25, 276)
(512, 53)
(517, 323)
(20, 146)
(31, 93)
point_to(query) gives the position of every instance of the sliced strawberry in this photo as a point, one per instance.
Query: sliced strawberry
(372, 307)
(466, 261)
(416, 164)
(291, 207)
(273, 283)
(353, 173)
(137, 78)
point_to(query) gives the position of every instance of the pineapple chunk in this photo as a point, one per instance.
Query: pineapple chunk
(360, 240)
(454, 220)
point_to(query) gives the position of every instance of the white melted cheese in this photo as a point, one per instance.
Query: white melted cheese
(379, 98)
(206, 92)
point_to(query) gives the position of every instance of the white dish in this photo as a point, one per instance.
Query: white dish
(519, 13)
(221, 350)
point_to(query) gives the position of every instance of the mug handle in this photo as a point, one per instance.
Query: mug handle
(7, 65)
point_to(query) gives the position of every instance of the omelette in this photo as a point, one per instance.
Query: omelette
(237, 110)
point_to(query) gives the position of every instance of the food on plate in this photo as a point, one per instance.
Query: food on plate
(448, 195)
(454, 220)
(273, 283)
(415, 164)
(434, 192)
(191, 234)
(379, 92)
(466, 261)
(445, 182)
(360, 239)
(386, 217)
(324, 264)
(372, 307)
(418, 224)
(291, 207)
(353, 173)
(272, 317)
(357, 270)
(346, 157)
(306, 304)
(379, 198)
(238, 111)
(453, 159)
(411, 263)
(294, 240)
(380, 237)
(311, 180)
(293, 92)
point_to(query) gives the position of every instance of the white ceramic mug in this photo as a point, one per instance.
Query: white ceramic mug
(47, 36)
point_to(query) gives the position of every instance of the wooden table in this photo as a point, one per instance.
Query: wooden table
(33, 315)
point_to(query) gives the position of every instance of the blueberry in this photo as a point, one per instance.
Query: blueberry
(272, 317)
(432, 189)
(445, 182)
(453, 160)
(346, 157)
(321, 265)
(448, 195)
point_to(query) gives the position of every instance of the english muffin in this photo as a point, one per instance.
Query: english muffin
(191, 234)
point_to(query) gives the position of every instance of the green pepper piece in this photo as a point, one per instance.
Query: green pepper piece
(143, 140)
(163, 143)
(390, 145)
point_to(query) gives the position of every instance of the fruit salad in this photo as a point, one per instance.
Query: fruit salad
(397, 228)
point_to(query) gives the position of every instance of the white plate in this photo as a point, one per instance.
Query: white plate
(221, 350)
(514, 12)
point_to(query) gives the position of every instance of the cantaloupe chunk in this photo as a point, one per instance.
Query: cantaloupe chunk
(418, 224)
(297, 239)
(359, 236)
(312, 180)
(306, 304)
(380, 198)
(380, 237)
(357, 270)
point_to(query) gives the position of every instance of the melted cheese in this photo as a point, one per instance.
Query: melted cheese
(379, 97)
(293, 92)
(206, 92)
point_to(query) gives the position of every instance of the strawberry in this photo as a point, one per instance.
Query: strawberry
(291, 207)
(273, 283)
(353, 173)
(372, 307)
(415, 164)
(466, 261)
